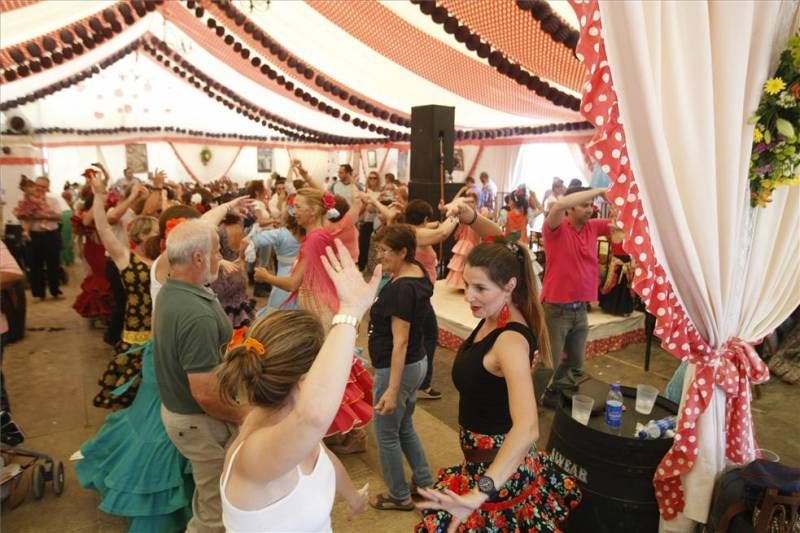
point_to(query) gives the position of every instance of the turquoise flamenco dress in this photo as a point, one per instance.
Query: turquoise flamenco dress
(134, 465)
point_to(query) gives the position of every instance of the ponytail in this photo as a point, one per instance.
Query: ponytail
(526, 298)
(275, 353)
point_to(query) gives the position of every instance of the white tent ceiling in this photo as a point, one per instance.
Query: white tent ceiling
(297, 26)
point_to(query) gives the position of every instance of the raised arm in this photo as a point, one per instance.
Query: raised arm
(292, 439)
(430, 236)
(216, 215)
(116, 212)
(559, 208)
(311, 180)
(118, 252)
(481, 225)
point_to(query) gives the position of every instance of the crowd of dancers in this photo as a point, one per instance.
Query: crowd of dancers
(230, 417)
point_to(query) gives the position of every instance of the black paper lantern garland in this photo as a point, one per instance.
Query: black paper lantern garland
(551, 24)
(73, 40)
(71, 80)
(171, 59)
(280, 55)
(283, 55)
(496, 58)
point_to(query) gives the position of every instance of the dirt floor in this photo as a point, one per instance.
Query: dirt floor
(52, 376)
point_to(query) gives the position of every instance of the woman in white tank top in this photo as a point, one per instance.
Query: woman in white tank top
(278, 476)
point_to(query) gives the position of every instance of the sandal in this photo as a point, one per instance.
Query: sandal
(384, 502)
(778, 366)
(413, 488)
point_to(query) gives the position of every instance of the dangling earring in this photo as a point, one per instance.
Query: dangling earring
(502, 318)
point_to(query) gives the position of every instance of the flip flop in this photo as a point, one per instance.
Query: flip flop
(384, 502)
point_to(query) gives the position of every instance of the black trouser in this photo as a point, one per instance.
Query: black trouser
(45, 253)
(117, 320)
(430, 338)
(364, 237)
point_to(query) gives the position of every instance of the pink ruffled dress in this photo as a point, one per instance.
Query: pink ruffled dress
(317, 295)
(467, 240)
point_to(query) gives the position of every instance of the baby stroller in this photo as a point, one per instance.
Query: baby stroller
(15, 461)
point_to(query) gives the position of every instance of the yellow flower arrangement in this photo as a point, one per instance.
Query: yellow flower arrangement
(775, 156)
(774, 85)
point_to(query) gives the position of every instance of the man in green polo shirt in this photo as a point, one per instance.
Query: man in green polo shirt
(191, 332)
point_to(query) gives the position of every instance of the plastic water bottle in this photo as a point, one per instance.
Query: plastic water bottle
(614, 407)
(656, 429)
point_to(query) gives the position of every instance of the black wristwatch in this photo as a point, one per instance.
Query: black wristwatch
(486, 486)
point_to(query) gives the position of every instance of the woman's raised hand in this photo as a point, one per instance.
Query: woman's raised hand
(355, 294)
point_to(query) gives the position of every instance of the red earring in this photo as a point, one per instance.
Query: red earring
(502, 318)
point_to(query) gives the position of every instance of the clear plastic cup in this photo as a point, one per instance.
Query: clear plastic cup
(645, 398)
(582, 408)
(768, 455)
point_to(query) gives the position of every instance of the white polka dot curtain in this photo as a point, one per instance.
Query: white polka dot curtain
(670, 87)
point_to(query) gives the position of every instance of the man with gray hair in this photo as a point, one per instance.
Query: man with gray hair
(190, 332)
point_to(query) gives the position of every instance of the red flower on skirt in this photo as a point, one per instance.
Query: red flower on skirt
(458, 484)
(475, 521)
(485, 443)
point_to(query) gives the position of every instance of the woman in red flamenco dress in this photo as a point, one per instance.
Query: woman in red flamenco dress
(313, 289)
(95, 300)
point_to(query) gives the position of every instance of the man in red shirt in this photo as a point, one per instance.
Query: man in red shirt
(571, 279)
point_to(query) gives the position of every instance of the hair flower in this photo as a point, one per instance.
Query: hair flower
(237, 338)
(332, 213)
(328, 201)
(172, 224)
(89, 173)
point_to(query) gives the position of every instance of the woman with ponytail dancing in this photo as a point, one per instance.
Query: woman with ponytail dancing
(278, 476)
(504, 483)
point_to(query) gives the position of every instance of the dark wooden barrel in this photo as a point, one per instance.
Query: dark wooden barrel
(615, 471)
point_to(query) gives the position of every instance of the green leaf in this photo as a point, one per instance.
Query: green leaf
(785, 128)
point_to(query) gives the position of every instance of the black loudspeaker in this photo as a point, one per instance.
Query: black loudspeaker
(431, 193)
(428, 124)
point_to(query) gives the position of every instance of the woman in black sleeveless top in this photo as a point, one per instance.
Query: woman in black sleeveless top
(504, 483)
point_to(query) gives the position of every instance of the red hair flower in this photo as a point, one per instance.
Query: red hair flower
(290, 201)
(172, 224)
(328, 201)
(237, 338)
(89, 173)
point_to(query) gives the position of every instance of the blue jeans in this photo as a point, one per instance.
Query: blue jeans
(396, 435)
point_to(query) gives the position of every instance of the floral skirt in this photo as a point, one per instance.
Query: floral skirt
(537, 497)
(120, 381)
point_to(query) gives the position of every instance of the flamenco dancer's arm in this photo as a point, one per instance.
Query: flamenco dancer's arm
(288, 283)
(118, 252)
(292, 439)
(481, 225)
(511, 353)
(428, 236)
(216, 215)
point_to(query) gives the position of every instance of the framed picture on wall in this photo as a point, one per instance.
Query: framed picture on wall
(402, 164)
(264, 158)
(372, 159)
(136, 157)
(458, 159)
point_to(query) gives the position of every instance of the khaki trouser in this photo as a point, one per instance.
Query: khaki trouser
(203, 441)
